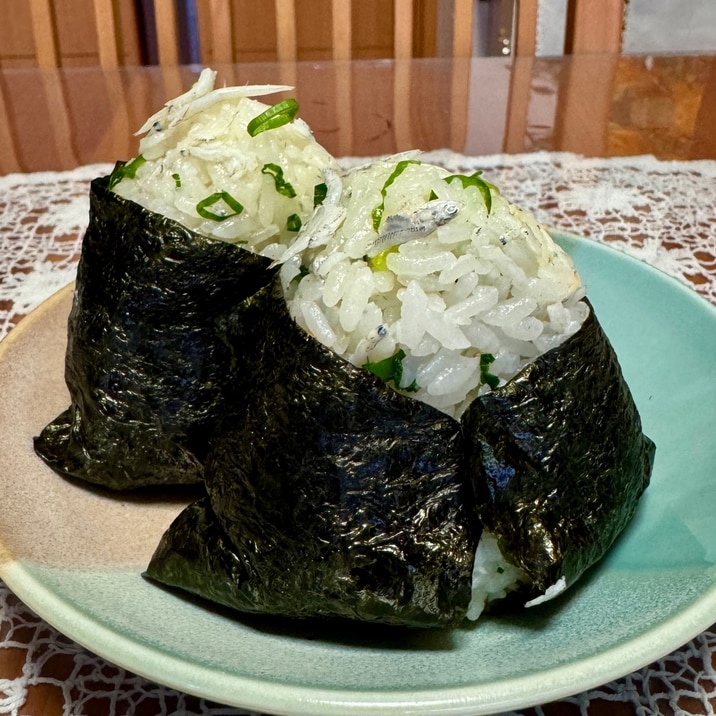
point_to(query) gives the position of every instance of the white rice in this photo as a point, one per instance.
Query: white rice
(198, 145)
(493, 577)
(483, 282)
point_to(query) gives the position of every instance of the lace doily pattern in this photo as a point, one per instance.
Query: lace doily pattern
(42, 219)
(661, 212)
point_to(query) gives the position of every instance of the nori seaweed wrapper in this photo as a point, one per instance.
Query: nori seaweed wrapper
(333, 495)
(330, 494)
(145, 366)
(558, 459)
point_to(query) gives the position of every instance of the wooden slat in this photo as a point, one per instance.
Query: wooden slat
(222, 32)
(118, 128)
(342, 31)
(704, 141)
(107, 39)
(459, 101)
(285, 30)
(344, 108)
(518, 104)
(215, 28)
(43, 32)
(403, 29)
(203, 20)
(586, 93)
(288, 74)
(526, 27)
(10, 160)
(463, 19)
(594, 26)
(61, 122)
(402, 98)
(215, 32)
(59, 33)
(172, 81)
(127, 20)
(165, 18)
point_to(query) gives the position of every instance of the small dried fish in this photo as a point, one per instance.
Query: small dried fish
(375, 337)
(202, 95)
(399, 228)
(317, 231)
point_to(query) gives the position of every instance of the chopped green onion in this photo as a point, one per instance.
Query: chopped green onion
(484, 187)
(320, 191)
(275, 116)
(177, 180)
(303, 271)
(282, 186)
(122, 170)
(377, 213)
(432, 196)
(492, 380)
(412, 388)
(391, 368)
(219, 196)
(385, 369)
(294, 223)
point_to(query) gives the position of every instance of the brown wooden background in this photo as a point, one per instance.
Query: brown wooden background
(254, 31)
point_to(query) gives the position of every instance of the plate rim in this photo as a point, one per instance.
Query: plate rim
(297, 700)
(292, 700)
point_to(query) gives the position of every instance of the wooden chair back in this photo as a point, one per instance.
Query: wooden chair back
(110, 33)
(592, 26)
(47, 33)
(396, 28)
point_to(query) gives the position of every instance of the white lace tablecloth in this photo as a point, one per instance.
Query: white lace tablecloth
(661, 212)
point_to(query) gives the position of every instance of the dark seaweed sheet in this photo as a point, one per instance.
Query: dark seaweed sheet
(331, 494)
(557, 458)
(145, 366)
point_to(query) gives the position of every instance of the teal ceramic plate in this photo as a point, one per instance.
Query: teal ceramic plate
(75, 556)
